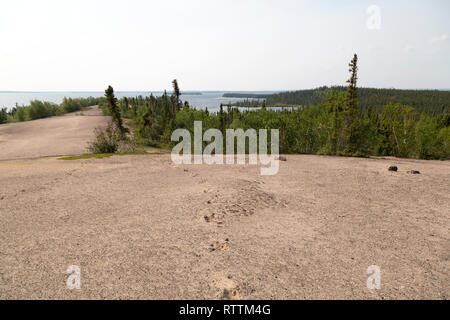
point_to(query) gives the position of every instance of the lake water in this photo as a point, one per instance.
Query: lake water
(207, 99)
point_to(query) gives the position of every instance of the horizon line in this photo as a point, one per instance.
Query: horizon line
(200, 91)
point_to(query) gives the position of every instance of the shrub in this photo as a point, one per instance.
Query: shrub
(106, 141)
(3, 116)
(39, 109)
(20, 114)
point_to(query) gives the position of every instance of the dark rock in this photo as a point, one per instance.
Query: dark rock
(414, 172)
(393, 168)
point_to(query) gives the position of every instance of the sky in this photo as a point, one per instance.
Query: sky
(252, 45)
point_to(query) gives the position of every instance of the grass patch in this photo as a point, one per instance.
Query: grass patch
(154, 144)
(106, 155)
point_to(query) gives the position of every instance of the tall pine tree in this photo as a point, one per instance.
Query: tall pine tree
(176, 93)
(352, 110)
(114, 109)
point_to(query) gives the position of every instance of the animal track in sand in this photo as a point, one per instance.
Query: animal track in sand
(233, 294)
(211, 218)
(228, 288)
(219, 246)
(242, 198)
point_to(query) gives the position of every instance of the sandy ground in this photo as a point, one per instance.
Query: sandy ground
(65, 135)
(141, 227)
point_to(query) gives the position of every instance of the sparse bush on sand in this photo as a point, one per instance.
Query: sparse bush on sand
(111, 140)
(106, 141)
(114, 138)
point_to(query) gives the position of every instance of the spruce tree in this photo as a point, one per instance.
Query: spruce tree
(176, 93)
(114, 109)
(222, 119)
(352, 110)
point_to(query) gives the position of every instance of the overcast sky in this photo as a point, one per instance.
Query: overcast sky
(221, 45)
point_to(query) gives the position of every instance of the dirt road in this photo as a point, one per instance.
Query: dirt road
(65, 135)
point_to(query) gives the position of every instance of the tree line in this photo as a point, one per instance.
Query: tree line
(43, 109)
(429, 101)
(340, 125)
(245, 95)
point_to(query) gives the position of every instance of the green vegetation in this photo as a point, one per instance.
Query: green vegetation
(176, 93)
(344, 121)
(245, 95)
(43, 109)
(249, 103)
(430, 101)
(114, 138)
(72, 105)
(339, 125)
(104, 155)
(3, 115)
(114, 110)
(191, 93)
(106, 141)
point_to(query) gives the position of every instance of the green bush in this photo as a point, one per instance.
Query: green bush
(43, 109)
(39, 109)
(20, 114)
(106, 141)
(3, 116)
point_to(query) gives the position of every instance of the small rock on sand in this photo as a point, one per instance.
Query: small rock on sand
(281, 158)
(414, 172)
(393, 168)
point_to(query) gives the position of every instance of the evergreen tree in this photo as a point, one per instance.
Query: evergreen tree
(351, 110)
(222, 119)
(176, 93)
(229, 114)
(114, 109)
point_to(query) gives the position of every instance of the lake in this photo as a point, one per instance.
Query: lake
(207, 99)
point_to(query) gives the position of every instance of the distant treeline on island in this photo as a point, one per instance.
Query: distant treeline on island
(429, 101)
(188, 93)
(245, 95)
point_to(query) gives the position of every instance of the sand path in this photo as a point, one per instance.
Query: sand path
(65, 135)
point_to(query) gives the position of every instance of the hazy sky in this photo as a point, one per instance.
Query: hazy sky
(221, 45)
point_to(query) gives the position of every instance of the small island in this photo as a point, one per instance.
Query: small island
(191, 93)
(245, 95)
